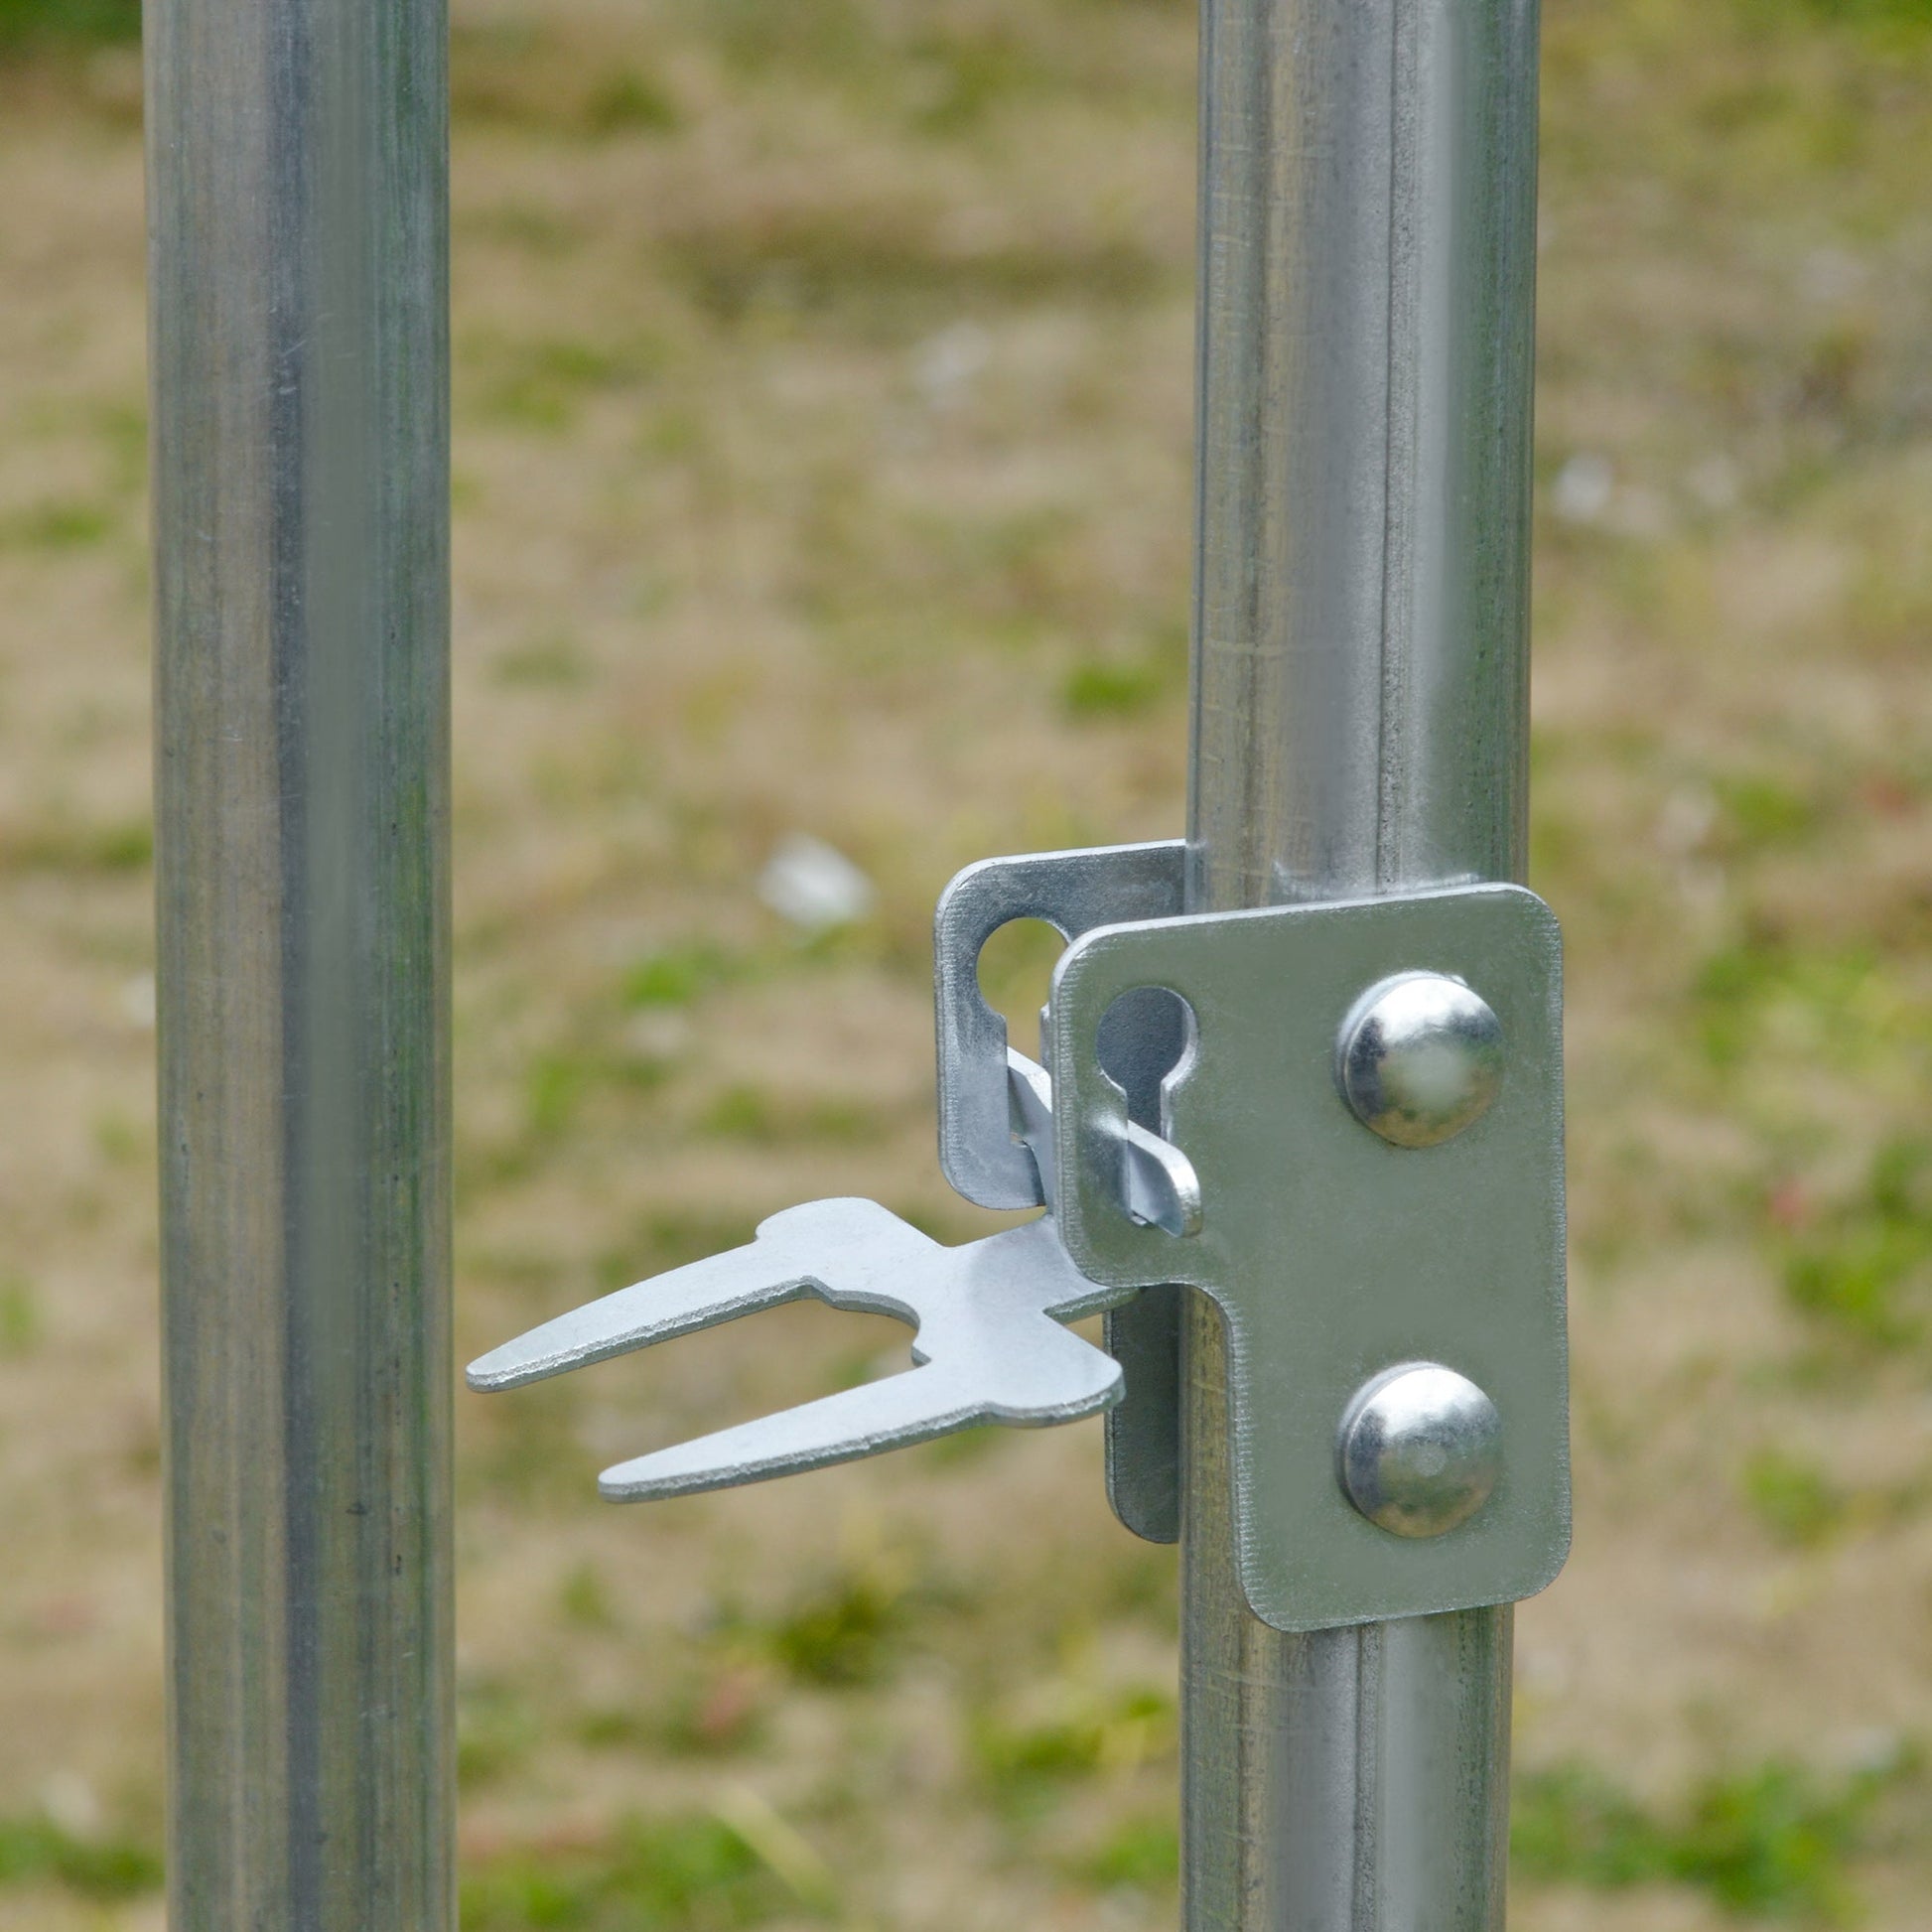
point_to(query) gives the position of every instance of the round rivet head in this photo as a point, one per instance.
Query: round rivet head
(1420, 1057)
(1420, 1449)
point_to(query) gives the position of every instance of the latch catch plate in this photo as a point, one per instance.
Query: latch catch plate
(1334, 1255)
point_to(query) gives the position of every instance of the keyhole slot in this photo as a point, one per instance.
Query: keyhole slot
(1145, 1047)
(1016, 973)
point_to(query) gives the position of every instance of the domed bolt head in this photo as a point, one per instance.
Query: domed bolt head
(1420, 1057)
(1420, 1449)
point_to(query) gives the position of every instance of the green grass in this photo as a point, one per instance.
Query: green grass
(26, 23)
(585, 1599)
(497, 1729)
(632, 102)
(1110, 687)
(929, 556)
(756, 1118)
(1865, 1269)
(64, 843)
(1797, 1502)
(939, 72)
(56, 525)
(694, 1875)
(1129, 682)
(881, 270)
(1777, 1841)
(1024, 1765)
(20, 1321)
(531, 1454)
(849, 1631)
(542, 384)
(847, 1628)
(1911, 16)
(1771, 994)
(36, 1850)
(680, 975)
(1762, 811)
(714, 1711)
(558, 1083)
(554, 663)
(667, 1238)
(1143, 1855)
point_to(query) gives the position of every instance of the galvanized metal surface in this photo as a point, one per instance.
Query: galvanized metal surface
(1368, 230)
(989, 1342)
(1148, 1179)
(982, 1090)
(1368, 249)
(297, 157)
(1421, 1449)
(1072, 891)
(1333, 1255)
(1419, 1058)
(1367, 1776)
(1360, 709)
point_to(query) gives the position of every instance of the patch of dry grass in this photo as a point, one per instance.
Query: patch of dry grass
(823, 417)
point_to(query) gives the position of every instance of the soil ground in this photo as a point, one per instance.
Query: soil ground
(823, 411)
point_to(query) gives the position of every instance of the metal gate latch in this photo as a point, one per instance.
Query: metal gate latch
(1343, 1122)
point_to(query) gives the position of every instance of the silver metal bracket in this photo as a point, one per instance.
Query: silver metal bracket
(1341, 1122)
(996, 1113)
(1381, 1226)
(1073, 893)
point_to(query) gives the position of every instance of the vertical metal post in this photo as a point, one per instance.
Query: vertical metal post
(1368, 210)
(298, 219)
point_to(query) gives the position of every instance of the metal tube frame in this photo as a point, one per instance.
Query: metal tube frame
(298, 165)
(1367, 262)
(1366, 341)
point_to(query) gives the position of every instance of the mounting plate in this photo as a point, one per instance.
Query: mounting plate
(986, 1161)
(1332, 1254)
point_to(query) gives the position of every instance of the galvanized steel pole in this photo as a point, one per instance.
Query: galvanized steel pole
(298, 185)
(1368, 226)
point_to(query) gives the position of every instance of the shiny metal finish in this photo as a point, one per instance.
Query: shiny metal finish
(1419, 1058)
(986, 1096)
(1368, 230)
(1364, 1780)
(297, 168)
(989, 1344)
(1421, 1448)
(1073, 892)
(1148, 1179)
(1329, 1253)
(1368, 211)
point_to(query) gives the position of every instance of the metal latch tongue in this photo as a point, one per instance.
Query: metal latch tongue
(989, 1344)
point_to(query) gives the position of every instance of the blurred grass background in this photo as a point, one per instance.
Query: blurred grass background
(822, 467)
